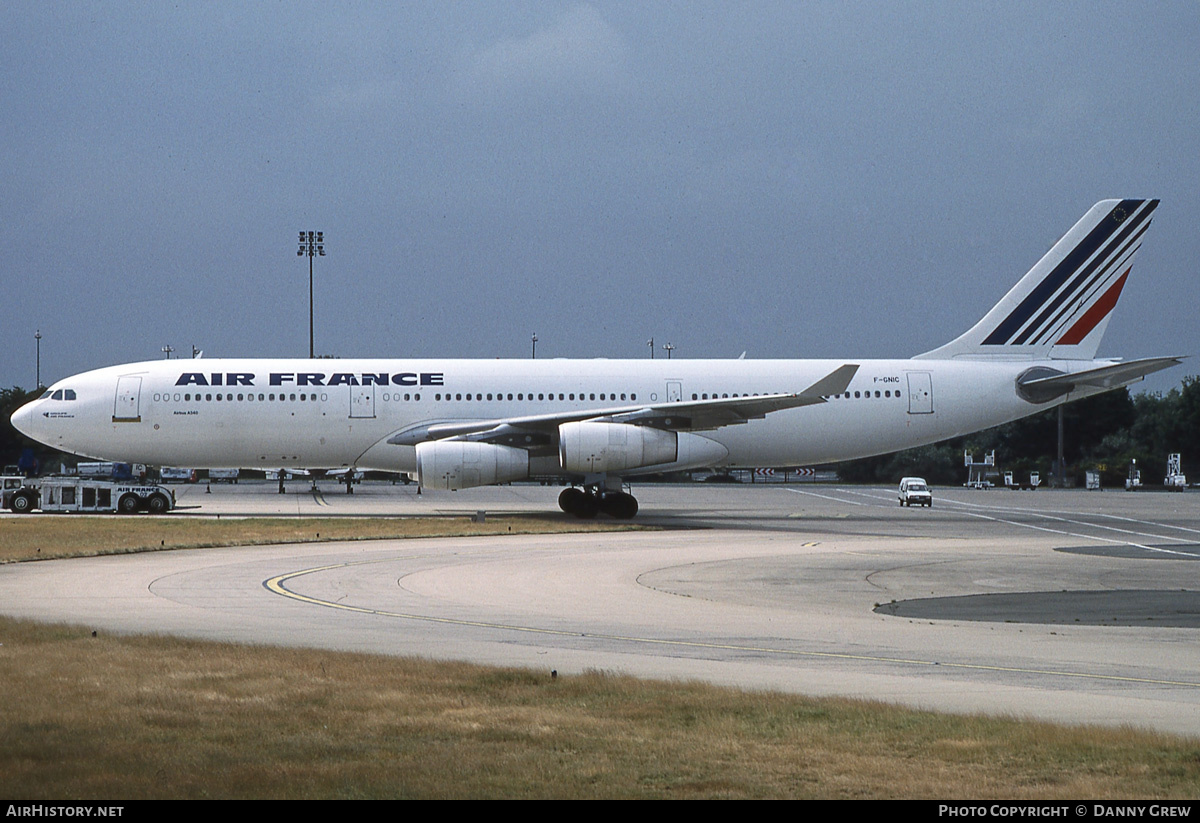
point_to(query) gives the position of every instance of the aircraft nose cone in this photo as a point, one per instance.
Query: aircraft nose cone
(23, 420)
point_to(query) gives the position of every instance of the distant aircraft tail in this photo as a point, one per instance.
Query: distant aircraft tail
(1060, 309)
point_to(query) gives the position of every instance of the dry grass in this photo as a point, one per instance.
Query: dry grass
(143, 717)
(44, 537)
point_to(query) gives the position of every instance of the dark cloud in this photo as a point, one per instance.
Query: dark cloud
(789, 179)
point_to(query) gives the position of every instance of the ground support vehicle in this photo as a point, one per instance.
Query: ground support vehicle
(914, 491)
(10, 484)
(85, 494)
(174, 474)
(135, 472)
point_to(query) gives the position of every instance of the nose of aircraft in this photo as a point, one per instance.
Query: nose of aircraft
(22, 420)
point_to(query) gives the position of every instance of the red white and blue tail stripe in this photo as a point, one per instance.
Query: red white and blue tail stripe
(1061, 307)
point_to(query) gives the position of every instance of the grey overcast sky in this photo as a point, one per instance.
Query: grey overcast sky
(798, 179)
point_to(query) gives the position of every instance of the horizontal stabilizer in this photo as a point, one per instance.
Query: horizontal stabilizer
(1042, 384)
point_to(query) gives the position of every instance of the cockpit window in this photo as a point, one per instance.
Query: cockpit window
(68, 394)
(60, 394)
(57, 395)
(44, 396)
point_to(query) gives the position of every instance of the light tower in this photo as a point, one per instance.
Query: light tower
(312, 243)
(38, 337)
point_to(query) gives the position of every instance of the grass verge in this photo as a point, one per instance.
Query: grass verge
(132, 717)
(45, 537)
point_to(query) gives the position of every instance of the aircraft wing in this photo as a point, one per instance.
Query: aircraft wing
(532, 431)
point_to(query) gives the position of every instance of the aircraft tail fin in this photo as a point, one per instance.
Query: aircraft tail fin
(1061, 307)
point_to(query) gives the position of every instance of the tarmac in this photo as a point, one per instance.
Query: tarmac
(1071, 606)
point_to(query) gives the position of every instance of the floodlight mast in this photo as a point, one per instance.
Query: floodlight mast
(312, 243)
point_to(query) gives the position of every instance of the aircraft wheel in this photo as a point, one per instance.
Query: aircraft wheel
(129, 504)
(157, 504)
(569, 499)
(620, 505)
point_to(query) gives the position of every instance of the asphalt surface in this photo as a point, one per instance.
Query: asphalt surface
(1074, 606)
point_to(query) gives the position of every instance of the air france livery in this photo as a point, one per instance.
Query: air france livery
(460, 423)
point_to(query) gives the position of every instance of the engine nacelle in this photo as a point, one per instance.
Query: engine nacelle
(602, 448)
(457, 464)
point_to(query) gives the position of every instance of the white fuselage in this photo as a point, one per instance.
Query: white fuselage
(333, 413)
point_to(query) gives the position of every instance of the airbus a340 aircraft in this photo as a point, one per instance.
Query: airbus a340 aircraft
(462, 423)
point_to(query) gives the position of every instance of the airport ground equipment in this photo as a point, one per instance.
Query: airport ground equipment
(112, 471)
(86, 494)
(977, 473)
(1176, 480)
(176, 474)
(1035, 480)
(1134, 481)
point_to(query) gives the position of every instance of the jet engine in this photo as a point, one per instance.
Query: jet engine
(455, 464)
(590, 447)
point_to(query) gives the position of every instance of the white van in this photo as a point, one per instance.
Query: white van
(915, 491)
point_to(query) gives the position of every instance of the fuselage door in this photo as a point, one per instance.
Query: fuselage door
(127, 408)
(362, 401)
(674, 391)
(920, 392)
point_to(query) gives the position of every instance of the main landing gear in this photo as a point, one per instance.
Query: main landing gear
(587, 504)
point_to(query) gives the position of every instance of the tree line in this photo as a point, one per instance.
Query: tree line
(1104, 432)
